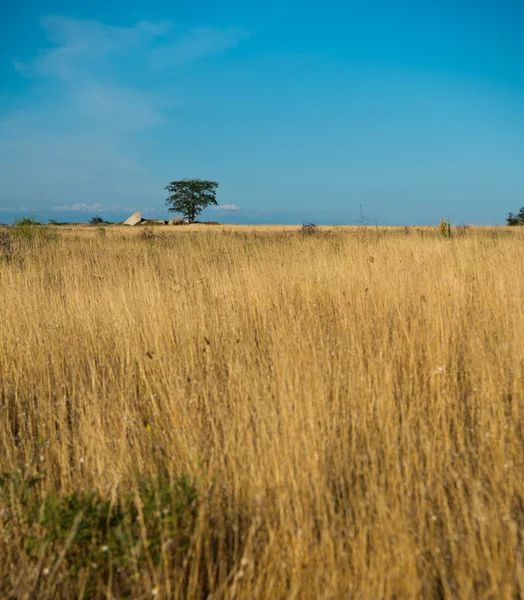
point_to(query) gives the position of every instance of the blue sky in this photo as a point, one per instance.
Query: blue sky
(302, 111)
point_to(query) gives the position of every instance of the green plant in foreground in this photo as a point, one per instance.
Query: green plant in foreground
(88, 531)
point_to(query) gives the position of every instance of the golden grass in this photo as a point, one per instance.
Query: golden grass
(349, 407)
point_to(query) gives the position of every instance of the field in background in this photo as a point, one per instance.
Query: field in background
(249, 412)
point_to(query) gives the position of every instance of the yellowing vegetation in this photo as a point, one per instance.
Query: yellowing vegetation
(266, 414)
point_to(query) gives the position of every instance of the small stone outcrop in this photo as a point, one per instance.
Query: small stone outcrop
(177, 221)
(133, 220)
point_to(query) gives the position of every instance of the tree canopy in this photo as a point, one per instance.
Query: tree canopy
(190, 196)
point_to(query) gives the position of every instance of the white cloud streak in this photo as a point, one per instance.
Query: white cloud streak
(225, 207)
(96, 207)
(76, 135)
(194, 44)
(81, 207)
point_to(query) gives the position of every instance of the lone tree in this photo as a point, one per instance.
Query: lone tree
(516, 219)
(191, 196)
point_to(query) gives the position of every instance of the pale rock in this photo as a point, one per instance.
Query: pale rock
(133, 220)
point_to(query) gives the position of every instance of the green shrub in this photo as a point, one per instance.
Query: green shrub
(513, 219)
(29, 230)
(70, 533)
(26, 221)
(57, 223)
(96, 220)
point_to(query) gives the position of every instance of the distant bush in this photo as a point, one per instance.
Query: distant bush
(309, 229)
(513, 219)
(29, 230)
(26, 221)
(54, 222)
(96, 220)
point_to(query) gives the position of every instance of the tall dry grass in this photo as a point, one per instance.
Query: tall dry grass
(346, 408)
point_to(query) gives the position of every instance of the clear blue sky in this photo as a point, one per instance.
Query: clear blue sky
(302, 111)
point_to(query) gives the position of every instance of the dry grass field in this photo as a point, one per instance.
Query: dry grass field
(243, 413)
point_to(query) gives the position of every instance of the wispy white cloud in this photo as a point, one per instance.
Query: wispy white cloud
(80, 43)
(86, 59)
(225, 207)
(193, 44)
(80, 207)
(97, 87)
(114, 208)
